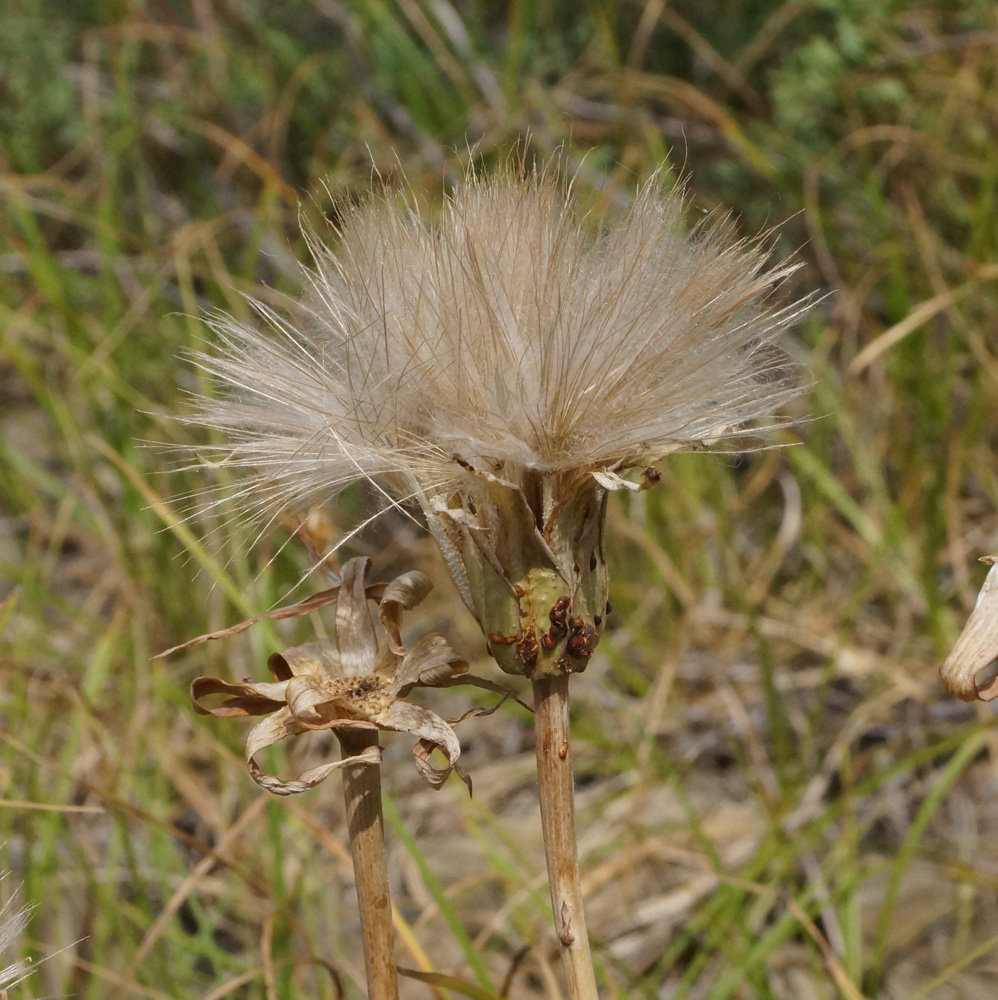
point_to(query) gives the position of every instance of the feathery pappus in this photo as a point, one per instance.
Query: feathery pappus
(503, 364)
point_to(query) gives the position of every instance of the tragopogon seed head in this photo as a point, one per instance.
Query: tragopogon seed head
(13, 921)
(506, 362)
(511, 332)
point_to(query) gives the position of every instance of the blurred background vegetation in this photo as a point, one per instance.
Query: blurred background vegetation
(777, 798)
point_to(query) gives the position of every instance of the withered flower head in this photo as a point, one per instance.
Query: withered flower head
(348, 685)
(504, 367)
(965, 672)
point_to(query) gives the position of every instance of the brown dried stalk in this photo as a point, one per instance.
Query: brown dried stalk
(365, 823)
(556, 792)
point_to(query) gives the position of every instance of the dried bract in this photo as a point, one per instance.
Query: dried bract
(504, 367)
(350, 685)
(977, 646)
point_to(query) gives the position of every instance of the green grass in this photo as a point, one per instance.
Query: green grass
(777, 799)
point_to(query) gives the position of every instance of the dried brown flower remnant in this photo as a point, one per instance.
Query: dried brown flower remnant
(349, 685)
(977, 645)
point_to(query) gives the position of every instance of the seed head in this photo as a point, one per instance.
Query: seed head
(13, 921)
(504, 366)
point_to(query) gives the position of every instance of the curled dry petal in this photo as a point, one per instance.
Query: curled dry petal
(430, 663)
(281, 725)
(402, 594)
(304, 713)
(355, 636)
(977, 645)
(312, 777)
(247, 698)
(433, 733)
(318, 657)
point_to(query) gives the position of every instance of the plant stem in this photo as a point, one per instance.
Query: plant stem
(362, 794)
(557, 798)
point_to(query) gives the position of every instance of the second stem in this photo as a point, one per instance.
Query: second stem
(362, 794)
(557, 798)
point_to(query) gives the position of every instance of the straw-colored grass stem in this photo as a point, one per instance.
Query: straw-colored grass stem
(362, 794)
(557, 798)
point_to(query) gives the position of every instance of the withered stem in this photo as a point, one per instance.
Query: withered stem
(362, 794)
(557, 798)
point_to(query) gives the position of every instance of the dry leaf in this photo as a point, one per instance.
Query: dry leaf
(301, 608)
(454, 983)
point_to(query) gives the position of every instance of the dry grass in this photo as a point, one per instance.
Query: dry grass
(777, 798)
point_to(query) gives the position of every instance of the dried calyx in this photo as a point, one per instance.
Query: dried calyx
(528, 559)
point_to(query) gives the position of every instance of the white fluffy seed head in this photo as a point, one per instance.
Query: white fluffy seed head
(513, 333)
(13, 921)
